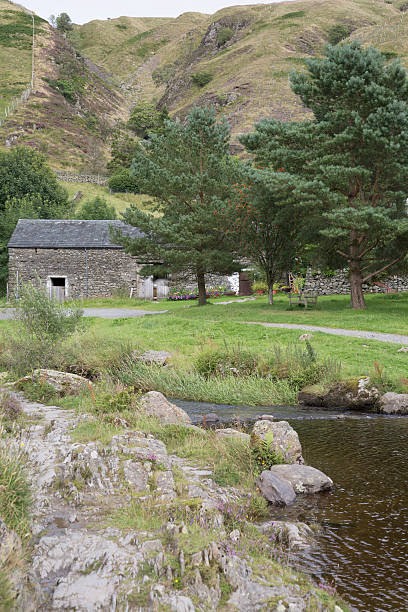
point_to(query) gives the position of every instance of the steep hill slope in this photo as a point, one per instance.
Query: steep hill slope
(73, 107)
(245, 52)
(238, 59)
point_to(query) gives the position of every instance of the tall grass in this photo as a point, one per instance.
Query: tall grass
(190, 385)
(15, 495)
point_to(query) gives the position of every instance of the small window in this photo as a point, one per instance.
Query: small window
(57, 281)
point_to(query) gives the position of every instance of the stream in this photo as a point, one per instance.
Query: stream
(362, 548)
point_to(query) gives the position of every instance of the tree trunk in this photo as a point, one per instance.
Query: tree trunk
(270, 292)
(202, 293)
(356, 280)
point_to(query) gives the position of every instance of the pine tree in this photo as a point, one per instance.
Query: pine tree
(188, 171)
(354, 153)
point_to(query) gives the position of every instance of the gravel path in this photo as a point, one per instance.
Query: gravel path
(103, 313)
(354, 333)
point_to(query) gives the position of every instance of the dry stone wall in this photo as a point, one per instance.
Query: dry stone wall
(69, 177)
(339, 284)
(88, 272)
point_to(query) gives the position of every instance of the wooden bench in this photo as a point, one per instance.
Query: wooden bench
(303, 299)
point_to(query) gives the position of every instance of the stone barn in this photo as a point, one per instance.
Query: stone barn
(76, 259)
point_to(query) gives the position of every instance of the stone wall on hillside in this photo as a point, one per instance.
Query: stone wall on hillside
(70, 177)
(87, 272)
(338, 283)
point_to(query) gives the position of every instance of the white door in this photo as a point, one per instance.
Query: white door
(147, 288)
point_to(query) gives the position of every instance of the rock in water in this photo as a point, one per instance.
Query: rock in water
(303, 478)
(394, 403)
(156, 405)
(281, 438)
(276, 489)
(358, 393)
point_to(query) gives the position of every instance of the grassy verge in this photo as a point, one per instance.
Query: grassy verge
(120, 201)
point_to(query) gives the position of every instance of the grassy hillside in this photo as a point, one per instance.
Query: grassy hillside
(238, 59)
(15, 50)
(89, 191)
(246, 51)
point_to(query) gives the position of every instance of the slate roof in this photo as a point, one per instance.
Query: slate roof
(67, 234)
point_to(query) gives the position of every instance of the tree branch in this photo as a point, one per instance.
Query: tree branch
(365, 279)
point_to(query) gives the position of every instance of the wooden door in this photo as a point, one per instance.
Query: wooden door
(245, 284)
(58, 294)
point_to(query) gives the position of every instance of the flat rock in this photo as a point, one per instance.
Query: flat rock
(156, 405)
(160, 358)
(291, 535)
(394, 403)
(275, 489)
(303, 478)
(281, 438)
(232, 433)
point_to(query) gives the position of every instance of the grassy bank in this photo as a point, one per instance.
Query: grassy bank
(186, 331)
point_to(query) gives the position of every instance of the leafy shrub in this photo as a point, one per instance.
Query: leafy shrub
(39, 391)
(98, 208)
(123, 182)
(338, 32)
(40, 327)
(262, 456)
(202, 78)
(224, 35)
(115, 407)
(143, 118)
(260, 287)
(227, 362)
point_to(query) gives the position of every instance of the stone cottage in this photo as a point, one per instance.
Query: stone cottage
(76, 259)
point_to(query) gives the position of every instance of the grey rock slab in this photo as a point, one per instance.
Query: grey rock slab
(282, 439)
(303, 478)
(136, 475)
(275, 489)
(85, 593)
(394, 403)
(160, 358)
(179, 603)
(155, 404)
(232, 433)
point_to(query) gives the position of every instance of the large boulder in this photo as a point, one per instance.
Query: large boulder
(63, 382)
(394, 403)
(303, 478)
(357, 393)
(156, 405)
(275, 489)
(296, 536)
(281, 439)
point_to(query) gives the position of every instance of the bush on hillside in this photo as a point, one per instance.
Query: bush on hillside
(338, 32)
(202, 78)
(224, 35)
(123, 182)
(98, 208)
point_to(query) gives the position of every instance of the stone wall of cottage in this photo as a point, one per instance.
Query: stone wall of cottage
(338, 283)
(109, 270)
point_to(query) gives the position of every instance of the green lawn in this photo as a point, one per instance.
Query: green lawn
(385, 313)
(186, 330)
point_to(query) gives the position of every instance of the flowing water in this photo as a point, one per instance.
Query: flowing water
(362, 548)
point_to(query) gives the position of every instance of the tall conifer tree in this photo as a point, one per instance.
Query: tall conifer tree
(188, 171)
(355, 151)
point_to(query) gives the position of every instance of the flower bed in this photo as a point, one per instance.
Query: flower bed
(176, 296)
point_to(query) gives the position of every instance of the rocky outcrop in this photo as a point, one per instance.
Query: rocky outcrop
(62, 382)
(394, 403)
(295, 536)
(357, 393)
(281, 438)
(275, 489)
(303, 478)
(156, 405)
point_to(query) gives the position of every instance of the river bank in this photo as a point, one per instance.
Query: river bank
(126, 524)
